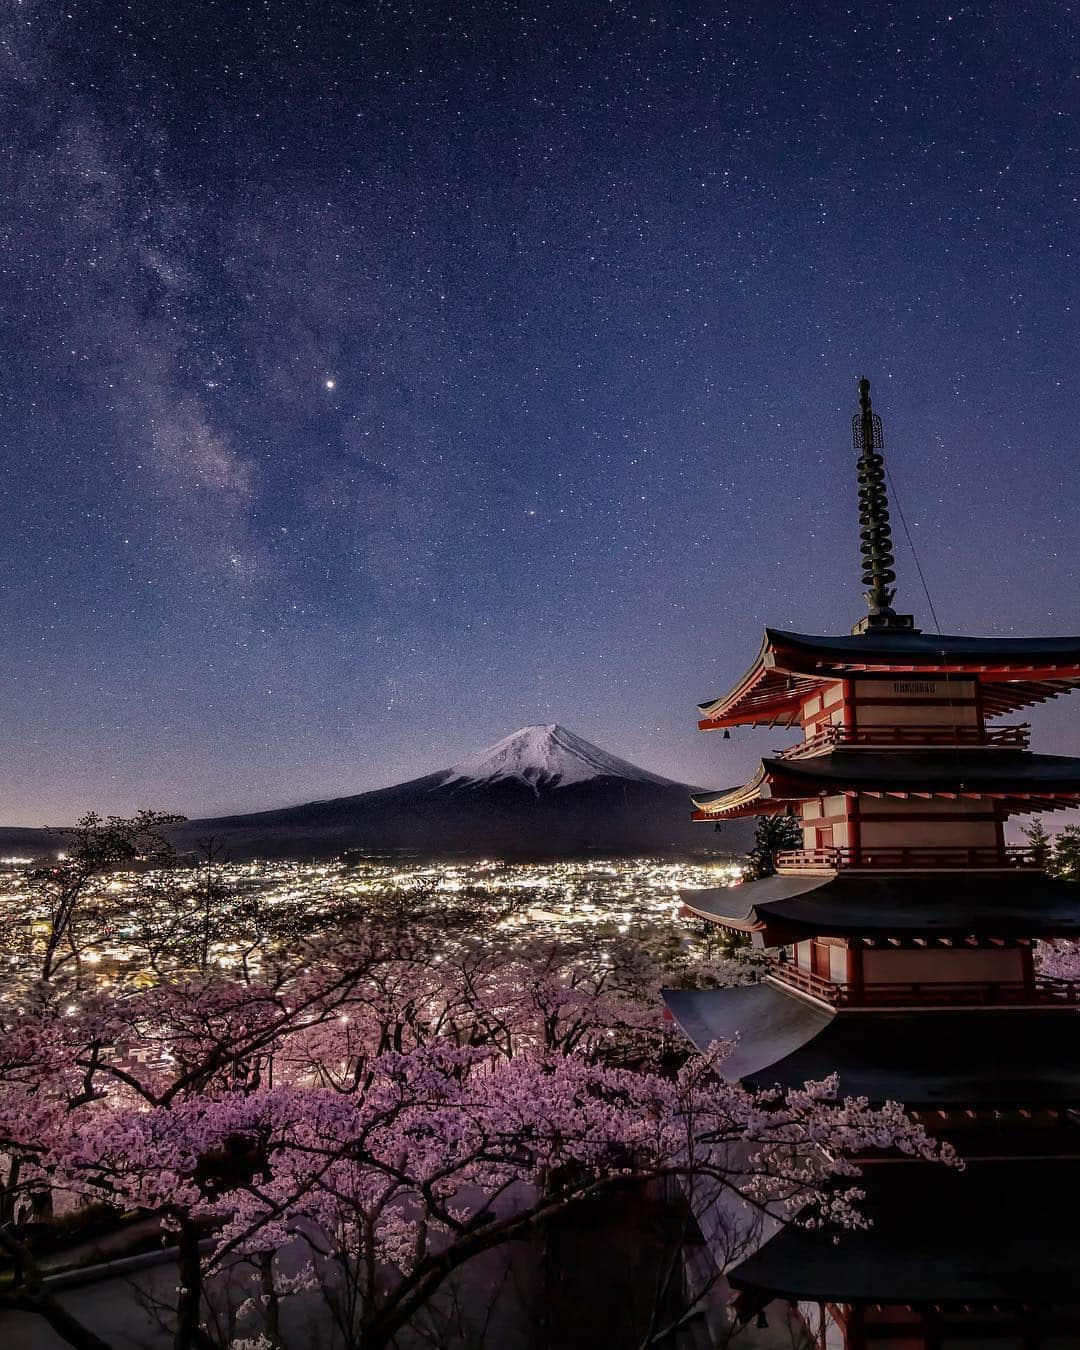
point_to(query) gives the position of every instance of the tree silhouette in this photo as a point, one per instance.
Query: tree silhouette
(772, 836)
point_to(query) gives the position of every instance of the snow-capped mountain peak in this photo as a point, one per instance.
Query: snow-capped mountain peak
(548, 756)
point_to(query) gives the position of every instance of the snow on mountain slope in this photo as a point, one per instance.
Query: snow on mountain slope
(545, 756)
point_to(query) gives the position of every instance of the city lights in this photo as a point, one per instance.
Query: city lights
(601, 898)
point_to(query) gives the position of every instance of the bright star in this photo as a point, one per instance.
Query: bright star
(329, 384)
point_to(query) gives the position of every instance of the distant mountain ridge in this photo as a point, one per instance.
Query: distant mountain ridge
(541, 792)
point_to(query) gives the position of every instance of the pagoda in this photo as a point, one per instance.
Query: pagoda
(900, 941)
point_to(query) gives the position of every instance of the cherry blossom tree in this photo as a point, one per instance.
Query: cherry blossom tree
(1059, 959)
(393, 1116)
(65, 912)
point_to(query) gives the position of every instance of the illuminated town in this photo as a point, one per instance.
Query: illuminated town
(259, 906)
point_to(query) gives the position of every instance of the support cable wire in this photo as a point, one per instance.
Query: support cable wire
(914, 552)
(922, 577)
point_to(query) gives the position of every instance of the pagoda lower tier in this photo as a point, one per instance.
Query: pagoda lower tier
(932, 939)
(987, 1257)
(999, 1059)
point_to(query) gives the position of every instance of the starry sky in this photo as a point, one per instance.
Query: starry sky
(380, 377)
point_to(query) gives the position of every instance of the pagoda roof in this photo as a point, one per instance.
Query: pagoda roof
(924, 1058)
(1008, 774)
(763, 1024)
(1012, 672)
(986, 1235)
(951, 904)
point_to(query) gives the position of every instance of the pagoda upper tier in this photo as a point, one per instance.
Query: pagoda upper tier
(791, 668)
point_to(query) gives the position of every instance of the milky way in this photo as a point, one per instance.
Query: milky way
(379, 378)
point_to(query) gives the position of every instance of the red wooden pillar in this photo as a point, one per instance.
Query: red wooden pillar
(847, 703)
(855, 972)
(851, 810)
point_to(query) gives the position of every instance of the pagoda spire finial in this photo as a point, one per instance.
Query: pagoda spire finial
(874, 531)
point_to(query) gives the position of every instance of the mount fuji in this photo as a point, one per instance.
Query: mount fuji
(547, 756)
(541, 792)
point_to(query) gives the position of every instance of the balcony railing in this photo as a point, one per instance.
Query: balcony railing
(954, 993)
(829, 991)
(915, 859)
(912, 737)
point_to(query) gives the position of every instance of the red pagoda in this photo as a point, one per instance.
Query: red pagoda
(900, 940)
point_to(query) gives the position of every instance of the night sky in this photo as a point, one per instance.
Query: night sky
(378, 378)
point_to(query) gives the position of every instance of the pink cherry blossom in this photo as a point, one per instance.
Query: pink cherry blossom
(399, 1115)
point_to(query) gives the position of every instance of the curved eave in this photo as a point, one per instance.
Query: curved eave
(1018, 780)
(763, 1024)
(766, 695)
(1009, 1057)
(750, 922)
(745, 800)
(1013, 672)
(744, 908)
(938, 1237)
(935, 906)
